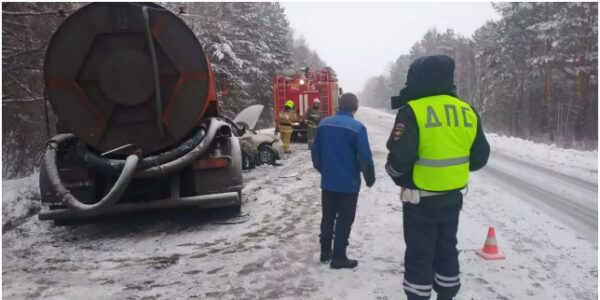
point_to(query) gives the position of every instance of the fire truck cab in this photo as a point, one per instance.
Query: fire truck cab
(302, 88)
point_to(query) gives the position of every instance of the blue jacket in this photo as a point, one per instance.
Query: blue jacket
(340, 152)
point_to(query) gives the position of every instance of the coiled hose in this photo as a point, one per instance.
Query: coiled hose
(154, 166)
(114, 166)
(188, 158)
(163, 163)
(54, 145)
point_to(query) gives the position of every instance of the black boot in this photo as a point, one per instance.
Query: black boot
(325, 251)
(345, 263)
(340, 260)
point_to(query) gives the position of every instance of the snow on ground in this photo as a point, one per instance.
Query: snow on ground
(23, 195)
(271, 251)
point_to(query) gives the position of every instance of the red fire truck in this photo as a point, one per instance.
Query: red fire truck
(302, 88)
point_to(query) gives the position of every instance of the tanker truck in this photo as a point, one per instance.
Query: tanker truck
(139, 122)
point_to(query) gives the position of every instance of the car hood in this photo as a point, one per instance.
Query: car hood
(249, 116)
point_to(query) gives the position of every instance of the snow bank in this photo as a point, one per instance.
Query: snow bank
(580, 164)
(20, 200)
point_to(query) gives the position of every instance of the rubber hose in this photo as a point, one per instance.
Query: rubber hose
(71, 201)
(150, 167)
(187, 159)
(114, 166)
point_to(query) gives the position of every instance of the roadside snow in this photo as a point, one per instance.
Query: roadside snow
(20, 201)
(271, 251)
(580, 164)
(545, 259)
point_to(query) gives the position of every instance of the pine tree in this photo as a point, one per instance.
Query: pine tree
(531, 74)
(26, 30)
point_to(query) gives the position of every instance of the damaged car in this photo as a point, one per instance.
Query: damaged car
(258, 148)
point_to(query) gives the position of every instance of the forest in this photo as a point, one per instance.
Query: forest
(247, 43)
(531, 74)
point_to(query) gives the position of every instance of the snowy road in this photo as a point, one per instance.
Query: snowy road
(271, 252)
(571, 200)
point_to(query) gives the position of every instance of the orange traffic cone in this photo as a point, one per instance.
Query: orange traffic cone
(490, 248)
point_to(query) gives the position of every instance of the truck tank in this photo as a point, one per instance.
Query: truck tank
(138, 117)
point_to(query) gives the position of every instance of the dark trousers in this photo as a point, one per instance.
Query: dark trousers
(431, 257)
(311, 132)
(339, 210)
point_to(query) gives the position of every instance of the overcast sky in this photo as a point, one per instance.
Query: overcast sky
(359, 40)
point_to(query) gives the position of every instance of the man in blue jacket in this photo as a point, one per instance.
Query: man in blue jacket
(340, 152)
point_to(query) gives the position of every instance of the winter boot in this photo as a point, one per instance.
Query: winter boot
(343, 263)
(325, 251)
(340, 260)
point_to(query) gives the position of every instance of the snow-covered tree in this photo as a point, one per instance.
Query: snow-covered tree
(26, 30)
(247, 44)
(531, 74)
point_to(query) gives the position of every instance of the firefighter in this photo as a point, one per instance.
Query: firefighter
(340, 153)
(287, 117)
(436, 140)
(313, 117)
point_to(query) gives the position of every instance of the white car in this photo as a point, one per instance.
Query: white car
(257, 148)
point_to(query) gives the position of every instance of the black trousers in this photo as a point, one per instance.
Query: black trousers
(431, 257)
(339, 210)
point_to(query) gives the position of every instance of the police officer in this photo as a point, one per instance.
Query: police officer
(287, 117)
(313, 117)
(340, 153)
(436, 140)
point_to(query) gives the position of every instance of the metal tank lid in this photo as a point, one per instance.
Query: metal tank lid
(101, 72)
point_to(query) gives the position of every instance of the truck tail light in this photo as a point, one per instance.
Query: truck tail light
(211, 163)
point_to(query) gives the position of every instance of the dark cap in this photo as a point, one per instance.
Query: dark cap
(436, 70)
(348, 102)
(427, 76)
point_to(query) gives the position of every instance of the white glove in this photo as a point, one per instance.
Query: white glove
(410, 196)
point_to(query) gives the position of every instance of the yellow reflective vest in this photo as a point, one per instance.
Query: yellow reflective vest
(447, 129)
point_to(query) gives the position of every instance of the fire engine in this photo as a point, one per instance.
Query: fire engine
(302, 88)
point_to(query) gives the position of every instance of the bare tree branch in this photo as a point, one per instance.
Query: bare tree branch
(12, 67)
(20, 83)
(59, 12)
(13, 23)
(22, 51)
(7, 101)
